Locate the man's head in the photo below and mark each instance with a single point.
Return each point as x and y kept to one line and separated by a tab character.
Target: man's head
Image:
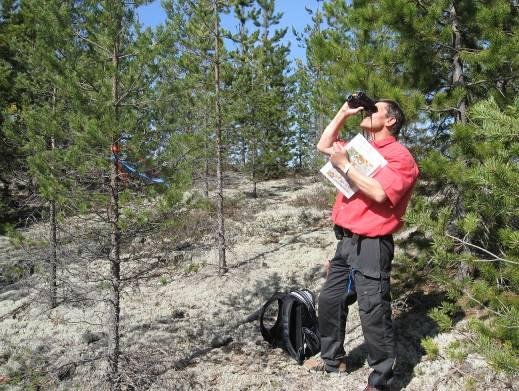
389	117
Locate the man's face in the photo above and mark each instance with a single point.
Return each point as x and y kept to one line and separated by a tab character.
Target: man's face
376	122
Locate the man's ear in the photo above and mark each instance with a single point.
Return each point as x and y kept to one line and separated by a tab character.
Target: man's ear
390	121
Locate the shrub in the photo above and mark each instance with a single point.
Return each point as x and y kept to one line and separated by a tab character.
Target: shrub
320	197
431	348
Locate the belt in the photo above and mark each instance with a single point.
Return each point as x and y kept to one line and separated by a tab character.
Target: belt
341	232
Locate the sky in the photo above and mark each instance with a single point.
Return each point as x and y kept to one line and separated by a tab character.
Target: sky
294	15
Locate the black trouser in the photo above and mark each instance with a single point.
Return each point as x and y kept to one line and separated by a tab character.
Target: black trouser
355	274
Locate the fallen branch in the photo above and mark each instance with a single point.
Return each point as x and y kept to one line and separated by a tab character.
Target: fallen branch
15	311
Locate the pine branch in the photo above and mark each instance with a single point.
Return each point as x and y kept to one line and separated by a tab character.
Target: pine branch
499	79
209	28
496	258
78	34
483	305
445	110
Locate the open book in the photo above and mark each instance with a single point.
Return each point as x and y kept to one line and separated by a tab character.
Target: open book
363	156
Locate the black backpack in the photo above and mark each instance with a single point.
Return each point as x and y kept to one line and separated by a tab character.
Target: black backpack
296	329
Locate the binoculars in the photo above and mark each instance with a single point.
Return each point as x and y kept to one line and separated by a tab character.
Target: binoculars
360	99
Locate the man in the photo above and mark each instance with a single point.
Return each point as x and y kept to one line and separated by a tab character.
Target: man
364	225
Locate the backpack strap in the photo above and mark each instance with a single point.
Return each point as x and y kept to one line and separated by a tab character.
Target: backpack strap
285	326
264	331
307	297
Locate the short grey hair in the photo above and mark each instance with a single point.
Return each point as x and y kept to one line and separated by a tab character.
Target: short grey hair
394	110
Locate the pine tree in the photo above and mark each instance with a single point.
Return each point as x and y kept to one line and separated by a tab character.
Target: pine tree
37	123
455	53
244	90
355	51
481	172
11	161
273	150
105	84
117	72
310	108
241	88
222	262
305	121
183	88
202	58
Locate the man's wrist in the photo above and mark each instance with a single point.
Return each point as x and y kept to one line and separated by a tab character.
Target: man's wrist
344	113
346	168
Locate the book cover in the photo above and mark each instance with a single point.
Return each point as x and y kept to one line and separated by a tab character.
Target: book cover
363	156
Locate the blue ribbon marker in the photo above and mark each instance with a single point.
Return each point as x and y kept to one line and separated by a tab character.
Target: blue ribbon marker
132	170
350	279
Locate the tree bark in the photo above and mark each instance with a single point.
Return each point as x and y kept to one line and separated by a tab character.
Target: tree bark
222	263
115	265
458	80
206	157
254	179
53	261
320	117
244	56
254	137
206	168
53	258
243	153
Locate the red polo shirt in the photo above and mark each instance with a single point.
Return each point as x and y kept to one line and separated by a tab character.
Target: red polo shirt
364	216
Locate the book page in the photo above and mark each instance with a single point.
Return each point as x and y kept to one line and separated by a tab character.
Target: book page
345	186
363	156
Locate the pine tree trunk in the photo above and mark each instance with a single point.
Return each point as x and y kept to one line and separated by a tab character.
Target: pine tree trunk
53	259
458	80
206	168
242	142
255	135
243	152
253	163
320	118
115	265
222	263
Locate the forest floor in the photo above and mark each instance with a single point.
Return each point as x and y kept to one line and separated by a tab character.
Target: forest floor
190	329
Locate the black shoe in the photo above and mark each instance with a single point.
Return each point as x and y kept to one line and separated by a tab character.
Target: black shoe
318	365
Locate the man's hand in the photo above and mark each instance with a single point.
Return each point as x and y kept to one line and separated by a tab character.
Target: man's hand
347	111
339	157
327	266
332	130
